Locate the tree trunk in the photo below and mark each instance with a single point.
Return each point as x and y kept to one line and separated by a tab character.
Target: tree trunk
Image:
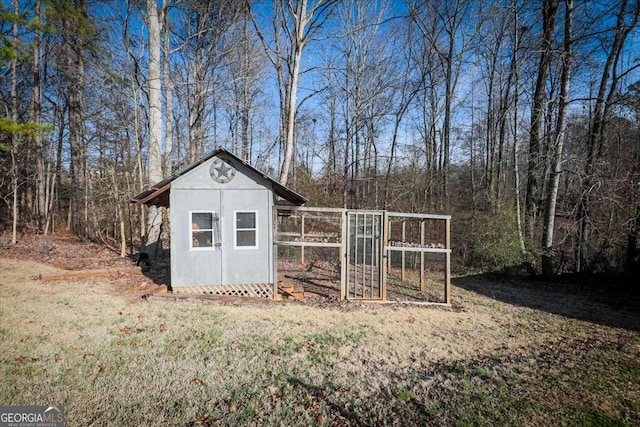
15	139
549	10
246	99
36	117
291	107
75	87
168	87
446	126
299	23
154	219
557	149
516	94
631	263
596	134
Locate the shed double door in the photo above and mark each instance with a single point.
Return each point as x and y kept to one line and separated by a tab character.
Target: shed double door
241	249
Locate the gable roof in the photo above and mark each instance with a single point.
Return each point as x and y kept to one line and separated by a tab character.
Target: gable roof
158	194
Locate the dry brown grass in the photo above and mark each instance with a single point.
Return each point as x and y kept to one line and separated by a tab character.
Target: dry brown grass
508	354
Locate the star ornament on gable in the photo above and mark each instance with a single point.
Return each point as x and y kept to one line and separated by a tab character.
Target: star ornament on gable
222	171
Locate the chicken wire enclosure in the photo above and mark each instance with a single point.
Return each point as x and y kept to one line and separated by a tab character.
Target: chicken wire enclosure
422	279
310	249
367	248
365	254
419	245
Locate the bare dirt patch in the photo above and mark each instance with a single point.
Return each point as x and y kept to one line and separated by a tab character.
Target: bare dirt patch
63	250
48	254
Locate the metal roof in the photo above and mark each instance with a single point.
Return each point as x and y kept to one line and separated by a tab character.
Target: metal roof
158	194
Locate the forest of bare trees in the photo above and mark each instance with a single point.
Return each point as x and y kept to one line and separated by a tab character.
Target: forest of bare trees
521	118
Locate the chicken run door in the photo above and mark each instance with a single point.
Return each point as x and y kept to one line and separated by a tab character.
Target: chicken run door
365	256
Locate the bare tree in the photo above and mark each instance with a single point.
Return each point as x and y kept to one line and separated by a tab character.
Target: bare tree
168	89
204	39
244	65
75	26
36	117
549	9
558	145
449	36
406	88
428	112
627	17
516	97
153	244
296	24
363	74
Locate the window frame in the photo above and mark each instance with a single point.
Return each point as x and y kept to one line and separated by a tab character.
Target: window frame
236	229
212	230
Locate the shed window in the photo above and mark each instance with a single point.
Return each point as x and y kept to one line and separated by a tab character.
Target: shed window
246	230
205	230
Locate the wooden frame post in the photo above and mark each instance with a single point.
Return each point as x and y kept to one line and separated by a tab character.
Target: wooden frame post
385	254
403	273
343	256
302	239
387	228
422	243
274	249
447	271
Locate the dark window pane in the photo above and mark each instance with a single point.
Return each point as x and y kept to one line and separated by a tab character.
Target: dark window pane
201	221
202	239
246	238
216	231
245	220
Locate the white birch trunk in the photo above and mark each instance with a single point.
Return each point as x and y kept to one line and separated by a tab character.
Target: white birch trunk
554	179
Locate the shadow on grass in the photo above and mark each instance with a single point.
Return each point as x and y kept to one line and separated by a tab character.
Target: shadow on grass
501	389
354	413
605	303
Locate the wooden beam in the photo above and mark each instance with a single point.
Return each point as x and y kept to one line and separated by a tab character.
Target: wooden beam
422	242
274	250
83	274
403	273
386	260
309	244
386	242
401	215
343	256
155	194
417	303
302	237
425	250
308	209
447	268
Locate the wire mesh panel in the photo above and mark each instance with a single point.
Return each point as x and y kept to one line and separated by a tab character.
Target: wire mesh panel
418	258
364	253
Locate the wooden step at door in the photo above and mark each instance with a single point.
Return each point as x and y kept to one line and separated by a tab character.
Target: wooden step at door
290	291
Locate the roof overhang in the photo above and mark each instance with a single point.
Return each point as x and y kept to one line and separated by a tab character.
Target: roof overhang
158	194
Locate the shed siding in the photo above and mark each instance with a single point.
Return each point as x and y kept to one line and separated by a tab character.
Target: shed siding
196	191
199	178
189	267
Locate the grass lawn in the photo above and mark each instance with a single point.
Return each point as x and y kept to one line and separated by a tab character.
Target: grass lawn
507	354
